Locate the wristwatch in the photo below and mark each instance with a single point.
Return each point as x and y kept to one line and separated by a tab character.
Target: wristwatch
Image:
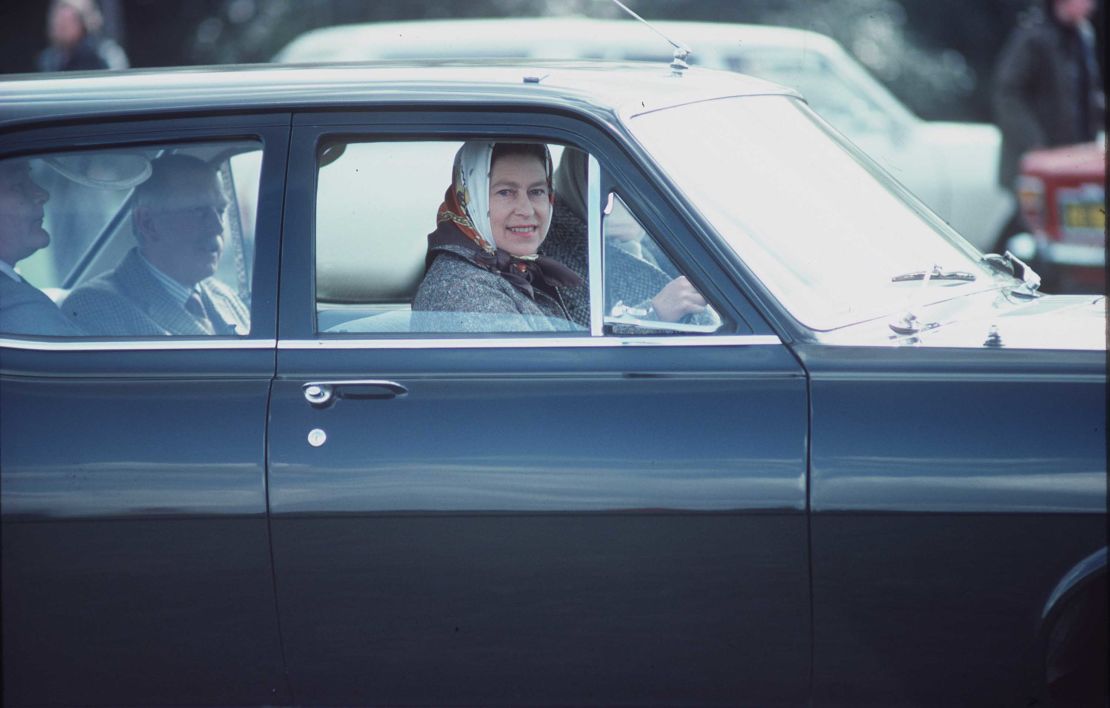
640	313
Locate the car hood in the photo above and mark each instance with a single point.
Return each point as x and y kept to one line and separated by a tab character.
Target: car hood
1049	322
994	320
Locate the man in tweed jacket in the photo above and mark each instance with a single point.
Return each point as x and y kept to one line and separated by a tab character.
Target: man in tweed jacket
164	286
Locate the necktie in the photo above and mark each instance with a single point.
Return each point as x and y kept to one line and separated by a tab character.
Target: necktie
195	306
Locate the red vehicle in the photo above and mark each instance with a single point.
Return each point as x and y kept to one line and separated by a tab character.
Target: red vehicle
1063	201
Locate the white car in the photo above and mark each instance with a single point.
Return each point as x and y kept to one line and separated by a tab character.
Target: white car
952	167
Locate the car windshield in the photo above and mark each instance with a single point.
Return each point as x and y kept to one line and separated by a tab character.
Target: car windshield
833	237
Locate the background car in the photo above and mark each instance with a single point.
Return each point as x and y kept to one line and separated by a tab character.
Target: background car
877	477
1062	192
952	167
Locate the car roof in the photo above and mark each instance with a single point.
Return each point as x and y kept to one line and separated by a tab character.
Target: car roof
540	37
591	87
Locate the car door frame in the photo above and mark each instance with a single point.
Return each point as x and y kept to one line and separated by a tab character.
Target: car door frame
166	541
303	499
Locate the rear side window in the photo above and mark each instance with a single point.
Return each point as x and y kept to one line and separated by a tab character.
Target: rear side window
129	242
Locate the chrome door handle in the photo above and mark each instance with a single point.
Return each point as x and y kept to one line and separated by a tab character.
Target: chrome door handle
322	393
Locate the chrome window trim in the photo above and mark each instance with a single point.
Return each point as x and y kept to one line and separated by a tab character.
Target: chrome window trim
740	340
165	344
594	250
586	342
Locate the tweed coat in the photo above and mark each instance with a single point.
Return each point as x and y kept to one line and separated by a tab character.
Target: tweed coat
24	309
129	301
1036	100
457	295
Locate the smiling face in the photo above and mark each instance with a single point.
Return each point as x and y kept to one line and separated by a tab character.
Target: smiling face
181	227
519	204
21	212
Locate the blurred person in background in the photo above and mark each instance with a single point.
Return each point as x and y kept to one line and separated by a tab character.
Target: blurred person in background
73	27
1047	90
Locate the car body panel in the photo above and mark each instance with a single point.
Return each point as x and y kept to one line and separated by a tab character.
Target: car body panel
968	458
1003	318
774	515
881	578
136	560
130	536
961	490
590	547
396	532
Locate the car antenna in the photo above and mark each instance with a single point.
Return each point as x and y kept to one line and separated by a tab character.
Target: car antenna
681	51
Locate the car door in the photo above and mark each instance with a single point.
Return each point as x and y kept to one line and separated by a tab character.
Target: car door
492	518
136	559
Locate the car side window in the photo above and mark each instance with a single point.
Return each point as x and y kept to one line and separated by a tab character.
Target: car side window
398	252
375	204
644	290
403	247
129	241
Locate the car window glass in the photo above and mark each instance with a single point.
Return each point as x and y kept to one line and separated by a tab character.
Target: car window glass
837	100
241	174
645	292
838	260
135	241
377	203
394	258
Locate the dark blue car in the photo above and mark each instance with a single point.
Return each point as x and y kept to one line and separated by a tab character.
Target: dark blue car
870	470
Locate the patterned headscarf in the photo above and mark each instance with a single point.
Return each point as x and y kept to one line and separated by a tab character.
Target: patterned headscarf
466	208
466	203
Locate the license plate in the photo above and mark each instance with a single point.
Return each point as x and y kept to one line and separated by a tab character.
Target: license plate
1083	214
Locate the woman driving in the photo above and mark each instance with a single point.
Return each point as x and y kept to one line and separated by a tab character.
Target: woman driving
482	270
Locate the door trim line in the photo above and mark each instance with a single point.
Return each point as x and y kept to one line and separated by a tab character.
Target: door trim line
533	342
137	345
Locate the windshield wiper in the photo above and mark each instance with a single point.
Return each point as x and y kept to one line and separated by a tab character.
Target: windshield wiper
908	322
935	274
